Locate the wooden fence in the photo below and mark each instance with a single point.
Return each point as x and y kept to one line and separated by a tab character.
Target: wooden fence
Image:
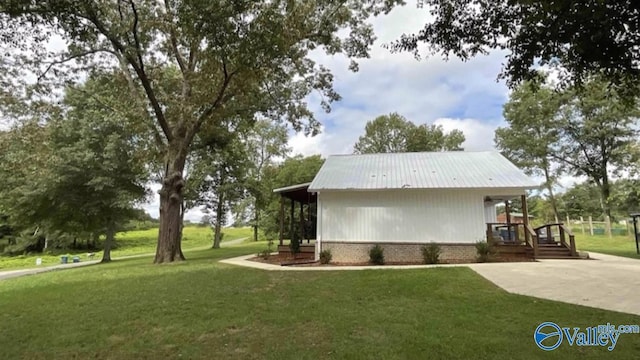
589	226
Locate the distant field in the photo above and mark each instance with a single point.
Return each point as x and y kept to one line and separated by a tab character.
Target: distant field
133	243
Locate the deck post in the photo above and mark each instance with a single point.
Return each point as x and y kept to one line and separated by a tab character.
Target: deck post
301	222
507	212
292	219
525	217
281	219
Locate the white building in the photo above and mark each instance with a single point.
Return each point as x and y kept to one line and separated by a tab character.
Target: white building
402	201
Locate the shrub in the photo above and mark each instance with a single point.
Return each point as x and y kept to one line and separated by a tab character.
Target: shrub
264	254
325	256
376	255
294	245
431	253
484	250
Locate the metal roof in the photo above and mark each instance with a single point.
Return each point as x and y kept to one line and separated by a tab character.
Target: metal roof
420	170
292	187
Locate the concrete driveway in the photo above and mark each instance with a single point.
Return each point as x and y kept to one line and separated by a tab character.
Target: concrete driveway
608	282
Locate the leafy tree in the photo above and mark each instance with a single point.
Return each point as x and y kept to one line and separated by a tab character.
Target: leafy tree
294	170
85	175
225	171
394	133
384	134
433	138
532	133
265	142
597	136
192	63
580	37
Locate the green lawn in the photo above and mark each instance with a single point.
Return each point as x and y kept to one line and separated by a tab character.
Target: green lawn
617	245
202	309
132	243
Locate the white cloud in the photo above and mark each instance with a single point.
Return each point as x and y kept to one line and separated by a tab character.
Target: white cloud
456	94
478	134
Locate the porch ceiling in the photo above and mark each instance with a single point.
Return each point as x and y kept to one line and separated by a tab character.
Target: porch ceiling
298	193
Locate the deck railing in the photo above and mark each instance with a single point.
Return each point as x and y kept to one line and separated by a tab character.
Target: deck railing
514	234
562	233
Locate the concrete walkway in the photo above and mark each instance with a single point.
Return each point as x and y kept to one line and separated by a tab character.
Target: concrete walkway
606	282
4	275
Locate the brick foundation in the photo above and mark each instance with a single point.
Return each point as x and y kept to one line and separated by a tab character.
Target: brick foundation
349	252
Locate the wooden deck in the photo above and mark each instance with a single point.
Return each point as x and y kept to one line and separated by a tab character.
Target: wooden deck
549	241
307	249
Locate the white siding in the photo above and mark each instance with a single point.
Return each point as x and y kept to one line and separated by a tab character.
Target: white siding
490	213
445	216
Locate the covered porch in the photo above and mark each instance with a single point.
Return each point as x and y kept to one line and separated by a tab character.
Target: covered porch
516	237
298	220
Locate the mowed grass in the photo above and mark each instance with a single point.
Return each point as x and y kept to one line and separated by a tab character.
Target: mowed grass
203	309
617	245
131	243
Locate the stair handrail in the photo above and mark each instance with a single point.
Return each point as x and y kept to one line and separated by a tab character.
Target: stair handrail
533	236
572	239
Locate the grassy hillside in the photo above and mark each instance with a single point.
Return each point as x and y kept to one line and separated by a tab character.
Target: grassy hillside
134	243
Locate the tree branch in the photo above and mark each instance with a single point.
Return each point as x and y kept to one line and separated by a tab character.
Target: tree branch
139	69
71	57
220	96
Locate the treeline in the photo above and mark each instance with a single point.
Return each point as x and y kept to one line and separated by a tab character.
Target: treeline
589	131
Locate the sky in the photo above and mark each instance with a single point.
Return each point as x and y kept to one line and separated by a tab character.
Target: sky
455	94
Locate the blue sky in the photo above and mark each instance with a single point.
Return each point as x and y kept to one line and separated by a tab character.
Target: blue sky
454	94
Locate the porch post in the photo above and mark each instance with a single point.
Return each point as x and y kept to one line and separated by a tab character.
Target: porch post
525	217
507	213
281	219
301	222
292	219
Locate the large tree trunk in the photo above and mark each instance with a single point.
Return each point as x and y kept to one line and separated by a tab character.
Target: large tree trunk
108	242
605	193
552	197
217	238
171	197
256	218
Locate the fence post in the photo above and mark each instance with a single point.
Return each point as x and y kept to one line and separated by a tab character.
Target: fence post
582	224
590	225
607	225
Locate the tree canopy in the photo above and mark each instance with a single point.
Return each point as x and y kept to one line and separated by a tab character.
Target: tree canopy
84	172
394	133
579	37
590	132
190	63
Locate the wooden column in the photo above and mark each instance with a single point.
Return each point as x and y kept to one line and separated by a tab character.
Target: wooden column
525	217
292	217
281	219
507	213
301	222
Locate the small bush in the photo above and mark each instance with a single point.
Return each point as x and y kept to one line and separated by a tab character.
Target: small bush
484	250
376	255
431	253
325	256
264	254
294	245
